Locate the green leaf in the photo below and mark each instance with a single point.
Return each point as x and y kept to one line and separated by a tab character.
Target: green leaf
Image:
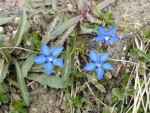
3	69
24	55
26	66
100	87
5	20
106	110
13	82
35	4
96	11
141	53
5	53
23	26
51	81
3	87
4	98
67	68
22	84
60	29
94	81
88	29
116	92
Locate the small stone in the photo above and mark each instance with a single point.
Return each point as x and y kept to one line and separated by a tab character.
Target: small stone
28	43
124	48
14	33
1	30
5	14
10	28
17	19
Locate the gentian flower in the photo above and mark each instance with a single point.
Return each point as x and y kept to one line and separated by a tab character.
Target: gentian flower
49	59
98	63
106	36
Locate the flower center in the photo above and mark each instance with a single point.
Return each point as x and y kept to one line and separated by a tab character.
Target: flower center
49	58
106	37
98	63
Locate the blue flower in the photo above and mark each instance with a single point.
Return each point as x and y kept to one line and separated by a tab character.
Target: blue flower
98	63
49	59
106	37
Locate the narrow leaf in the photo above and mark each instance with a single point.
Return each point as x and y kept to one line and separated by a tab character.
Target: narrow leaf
3	70
141	53
94	81
5	20
51	81
21	30
3	87
106	110
13	82
100	87
26	66
5	53
60	29
35	4
22	84
67	69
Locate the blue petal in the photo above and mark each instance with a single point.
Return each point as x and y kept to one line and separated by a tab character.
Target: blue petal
45	50
101	30
57	51
40	59
103	57
99	38
111	31
100	73
49	68
90	67
93	56
107	66
58	62
115	38
107	42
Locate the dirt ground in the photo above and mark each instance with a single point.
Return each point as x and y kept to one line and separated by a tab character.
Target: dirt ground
128	14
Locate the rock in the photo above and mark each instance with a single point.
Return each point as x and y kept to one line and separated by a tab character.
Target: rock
17	19
14	32
16	11
4	14
10	28
1	30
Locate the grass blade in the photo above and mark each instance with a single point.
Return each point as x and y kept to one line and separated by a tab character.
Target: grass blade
22	84
21	30
5	53
60	29
3	69
141	53
26	66
5	20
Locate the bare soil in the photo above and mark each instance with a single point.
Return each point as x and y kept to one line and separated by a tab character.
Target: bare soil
129	15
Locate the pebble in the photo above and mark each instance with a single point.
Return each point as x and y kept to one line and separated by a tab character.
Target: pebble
10	28
14	32
17	19
124	48
1	30
4	14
